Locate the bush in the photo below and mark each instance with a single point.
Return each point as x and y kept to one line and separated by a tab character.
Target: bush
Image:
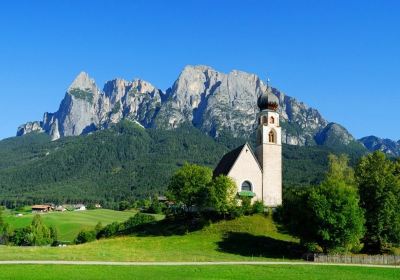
246	205
155	207
124	205
258	207
109	230
85	236
125	227
137	220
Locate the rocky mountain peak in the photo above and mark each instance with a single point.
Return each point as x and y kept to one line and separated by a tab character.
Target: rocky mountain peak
213	101
82	81
333	135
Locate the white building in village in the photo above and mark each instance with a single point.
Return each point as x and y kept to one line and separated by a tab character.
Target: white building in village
259	174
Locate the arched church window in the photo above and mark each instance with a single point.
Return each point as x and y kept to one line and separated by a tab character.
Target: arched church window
246	186
271	137
272	120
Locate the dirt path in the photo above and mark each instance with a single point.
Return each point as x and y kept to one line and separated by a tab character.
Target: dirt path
185	263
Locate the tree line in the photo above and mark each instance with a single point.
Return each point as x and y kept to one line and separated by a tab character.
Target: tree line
351	210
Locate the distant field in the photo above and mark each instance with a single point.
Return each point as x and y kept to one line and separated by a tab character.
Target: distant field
245	238
287	272
70	223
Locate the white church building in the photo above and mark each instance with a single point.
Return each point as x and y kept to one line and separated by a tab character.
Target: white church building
259	174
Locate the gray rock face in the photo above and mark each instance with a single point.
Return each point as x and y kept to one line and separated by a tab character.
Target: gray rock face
217	102
29	127
85	108
137	101
210	100
333	135
373	143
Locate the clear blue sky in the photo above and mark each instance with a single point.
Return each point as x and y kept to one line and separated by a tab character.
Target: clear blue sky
341	57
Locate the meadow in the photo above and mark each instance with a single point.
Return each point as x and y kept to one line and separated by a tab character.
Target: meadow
69	223
287	272
246	238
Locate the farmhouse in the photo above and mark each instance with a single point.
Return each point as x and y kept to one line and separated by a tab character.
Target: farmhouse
79	207
41	208
258	174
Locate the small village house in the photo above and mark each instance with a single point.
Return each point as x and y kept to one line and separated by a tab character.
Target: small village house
41	208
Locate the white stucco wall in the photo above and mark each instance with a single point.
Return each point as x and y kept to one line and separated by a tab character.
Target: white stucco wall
270	157
272	173
246	168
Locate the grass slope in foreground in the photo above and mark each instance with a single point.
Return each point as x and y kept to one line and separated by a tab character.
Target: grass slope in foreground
246	238
70	223
287	272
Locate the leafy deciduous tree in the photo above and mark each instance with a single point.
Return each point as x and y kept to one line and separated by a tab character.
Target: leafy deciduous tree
222	194
189	185
328	214
379	188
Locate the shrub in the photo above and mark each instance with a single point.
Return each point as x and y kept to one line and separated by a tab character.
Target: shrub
137	220
258	207
246	205
85	236
109	230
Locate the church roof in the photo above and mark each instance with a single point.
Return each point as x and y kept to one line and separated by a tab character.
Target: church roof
227	161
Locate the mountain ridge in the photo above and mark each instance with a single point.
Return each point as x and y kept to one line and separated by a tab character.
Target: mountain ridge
215	102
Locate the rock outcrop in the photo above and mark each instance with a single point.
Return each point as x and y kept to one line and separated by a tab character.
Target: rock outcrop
29	127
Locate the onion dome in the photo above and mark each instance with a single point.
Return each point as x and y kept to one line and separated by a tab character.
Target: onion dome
268	101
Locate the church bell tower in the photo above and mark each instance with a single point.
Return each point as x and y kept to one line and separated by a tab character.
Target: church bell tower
269	148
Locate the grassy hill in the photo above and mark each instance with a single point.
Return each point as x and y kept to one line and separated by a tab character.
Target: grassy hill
70	223
127	162
246	238
249	238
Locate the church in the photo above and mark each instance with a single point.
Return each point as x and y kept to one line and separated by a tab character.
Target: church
258	174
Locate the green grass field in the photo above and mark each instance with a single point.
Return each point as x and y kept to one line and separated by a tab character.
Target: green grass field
70	223
287	272
245	238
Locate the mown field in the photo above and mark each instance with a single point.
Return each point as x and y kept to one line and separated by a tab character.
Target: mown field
246	238
287	272
70	223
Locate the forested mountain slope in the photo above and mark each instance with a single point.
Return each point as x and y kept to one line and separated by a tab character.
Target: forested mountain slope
127	162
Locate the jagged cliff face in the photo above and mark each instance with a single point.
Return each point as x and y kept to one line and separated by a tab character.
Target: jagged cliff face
373	143
217	102
85	108
210	100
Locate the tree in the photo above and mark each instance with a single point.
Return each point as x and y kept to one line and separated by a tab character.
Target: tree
155	207
189	185
36	234
339	170
53	235
85	236
328	214
222	194
123	205
336	220
41	233
379	187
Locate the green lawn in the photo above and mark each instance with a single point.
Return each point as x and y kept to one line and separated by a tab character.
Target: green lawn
245	238
70	223
60	272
